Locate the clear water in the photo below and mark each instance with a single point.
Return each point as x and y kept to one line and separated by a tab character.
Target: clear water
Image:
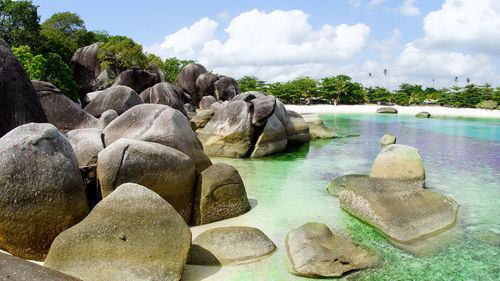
462	160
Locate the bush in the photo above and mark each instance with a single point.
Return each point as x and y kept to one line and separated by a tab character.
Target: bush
488	104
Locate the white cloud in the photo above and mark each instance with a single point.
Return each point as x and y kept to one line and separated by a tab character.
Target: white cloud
355	3
377	2
224	15
408	9
257	38
470	23
187	42
388	47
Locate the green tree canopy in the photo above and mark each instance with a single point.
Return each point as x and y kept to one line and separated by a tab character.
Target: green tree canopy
172	66
251	83
19	23
67	23
121	53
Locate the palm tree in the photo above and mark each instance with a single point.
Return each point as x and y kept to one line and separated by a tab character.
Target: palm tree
468	80
456	80
370	75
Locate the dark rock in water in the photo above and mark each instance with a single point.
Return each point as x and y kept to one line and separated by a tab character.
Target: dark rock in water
167	94
226	88
387	109
206	102
314	251
272	139
18	100
229	132
423	114
118	98
167	171
399	162
132	234
161	124
263	108
220	194
41	189
205	84
86	67
230	245
301	127
404	212
340	183
60	110
138	79
186	79
16	269
106	118
387	139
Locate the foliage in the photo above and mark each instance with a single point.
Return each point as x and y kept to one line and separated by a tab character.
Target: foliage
340	89
172	66
48	67
488	104
67	23
379	95
251	83
19	23
121	53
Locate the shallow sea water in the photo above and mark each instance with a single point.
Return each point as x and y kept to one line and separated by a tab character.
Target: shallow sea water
461	157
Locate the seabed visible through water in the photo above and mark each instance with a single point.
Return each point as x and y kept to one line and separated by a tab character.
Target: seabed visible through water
461	157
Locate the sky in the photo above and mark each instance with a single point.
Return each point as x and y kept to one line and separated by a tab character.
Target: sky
426	42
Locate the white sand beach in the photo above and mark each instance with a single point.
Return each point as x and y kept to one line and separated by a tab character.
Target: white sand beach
436	111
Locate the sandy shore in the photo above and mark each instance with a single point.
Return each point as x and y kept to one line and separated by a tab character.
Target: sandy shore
409	110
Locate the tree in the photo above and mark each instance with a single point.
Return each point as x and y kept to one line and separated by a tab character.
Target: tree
251	83
19	23
341	89
121	53
67	23
35	66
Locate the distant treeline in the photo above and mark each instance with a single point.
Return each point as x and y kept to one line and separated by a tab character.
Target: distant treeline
45	50
341	89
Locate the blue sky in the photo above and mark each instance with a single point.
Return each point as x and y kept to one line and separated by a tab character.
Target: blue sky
426	42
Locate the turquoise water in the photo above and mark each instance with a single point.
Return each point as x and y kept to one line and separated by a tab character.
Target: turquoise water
461	157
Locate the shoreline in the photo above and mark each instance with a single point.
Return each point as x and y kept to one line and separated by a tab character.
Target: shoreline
435	111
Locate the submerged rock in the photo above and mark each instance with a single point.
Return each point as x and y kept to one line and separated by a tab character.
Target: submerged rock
387	110
338	184
133	234
16	269
399	162
167	171
387	139
423	114
489	237
317	129
314	251
230	245
404	212
220	194
41	189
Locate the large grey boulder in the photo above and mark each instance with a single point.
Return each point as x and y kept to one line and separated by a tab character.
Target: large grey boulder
220	194
399	162
41	189
138	79
132	234
167	171
118	98
206	102
387	139
106	118
301	128
218	106
205	84
186	79
62	112
16	269
405	213
272	140
86	68
161	124
317	129
226	88
230	245
201	118
229	132
338	184
314	251
387	110
167	94
263	109
18	99
87	143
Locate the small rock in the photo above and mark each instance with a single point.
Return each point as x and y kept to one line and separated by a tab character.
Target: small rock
423	114
314	251
387	110
317	129
387	139
230	245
